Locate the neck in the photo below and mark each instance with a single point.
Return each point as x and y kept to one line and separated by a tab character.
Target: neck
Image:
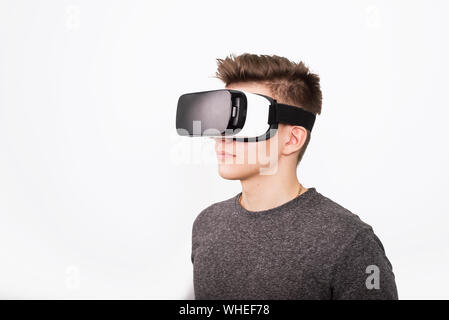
263	192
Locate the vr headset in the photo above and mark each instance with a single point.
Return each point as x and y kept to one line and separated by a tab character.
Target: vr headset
234	114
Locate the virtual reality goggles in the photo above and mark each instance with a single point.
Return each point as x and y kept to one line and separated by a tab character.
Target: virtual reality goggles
237	115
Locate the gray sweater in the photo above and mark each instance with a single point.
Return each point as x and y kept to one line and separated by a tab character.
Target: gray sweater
307	248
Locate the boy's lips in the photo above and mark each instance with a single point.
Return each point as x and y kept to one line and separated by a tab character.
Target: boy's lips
224	154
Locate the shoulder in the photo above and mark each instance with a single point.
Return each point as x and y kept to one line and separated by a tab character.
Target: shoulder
353	252
336	226
337	219
342	237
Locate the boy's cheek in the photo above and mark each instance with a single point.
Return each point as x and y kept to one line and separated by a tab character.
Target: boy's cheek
252	154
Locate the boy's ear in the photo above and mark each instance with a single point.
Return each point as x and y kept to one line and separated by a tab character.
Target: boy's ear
295	137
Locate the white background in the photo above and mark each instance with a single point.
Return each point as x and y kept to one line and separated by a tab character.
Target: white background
96	199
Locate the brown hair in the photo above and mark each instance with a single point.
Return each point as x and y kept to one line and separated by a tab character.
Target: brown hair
288	81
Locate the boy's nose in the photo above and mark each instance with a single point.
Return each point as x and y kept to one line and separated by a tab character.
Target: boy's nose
221	139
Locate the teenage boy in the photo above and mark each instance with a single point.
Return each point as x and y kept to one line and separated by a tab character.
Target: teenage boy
277	239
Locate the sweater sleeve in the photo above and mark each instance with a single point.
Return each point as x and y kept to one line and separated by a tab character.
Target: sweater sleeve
362	271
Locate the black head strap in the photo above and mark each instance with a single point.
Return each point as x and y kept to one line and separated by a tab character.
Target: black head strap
284	113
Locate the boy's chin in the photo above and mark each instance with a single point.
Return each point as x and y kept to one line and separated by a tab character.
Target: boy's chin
237	172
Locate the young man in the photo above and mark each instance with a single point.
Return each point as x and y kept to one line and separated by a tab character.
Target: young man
278	239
